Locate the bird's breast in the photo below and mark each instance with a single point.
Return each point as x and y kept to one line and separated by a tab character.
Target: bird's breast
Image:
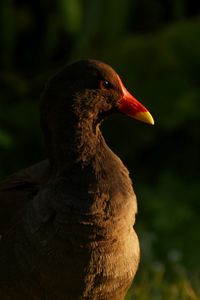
94	251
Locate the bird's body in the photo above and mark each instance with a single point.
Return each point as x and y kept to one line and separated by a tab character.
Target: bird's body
66	224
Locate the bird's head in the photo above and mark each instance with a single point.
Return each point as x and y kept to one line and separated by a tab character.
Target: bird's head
75	101
90	89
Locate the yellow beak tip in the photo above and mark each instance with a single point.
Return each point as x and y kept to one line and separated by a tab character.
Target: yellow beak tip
145	117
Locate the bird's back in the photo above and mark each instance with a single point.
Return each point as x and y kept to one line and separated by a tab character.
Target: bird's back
15	193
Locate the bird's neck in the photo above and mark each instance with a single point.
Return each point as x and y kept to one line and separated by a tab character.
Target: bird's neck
76	146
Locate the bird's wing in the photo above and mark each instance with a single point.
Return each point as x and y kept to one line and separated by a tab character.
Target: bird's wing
17	190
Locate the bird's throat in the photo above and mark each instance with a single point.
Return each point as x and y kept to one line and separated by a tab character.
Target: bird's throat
77	145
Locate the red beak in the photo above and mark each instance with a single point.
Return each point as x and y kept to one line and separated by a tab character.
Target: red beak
128	105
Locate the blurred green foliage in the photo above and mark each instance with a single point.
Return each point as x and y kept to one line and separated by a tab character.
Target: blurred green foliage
155	47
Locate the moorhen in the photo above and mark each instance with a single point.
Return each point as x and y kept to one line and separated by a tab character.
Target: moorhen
66	223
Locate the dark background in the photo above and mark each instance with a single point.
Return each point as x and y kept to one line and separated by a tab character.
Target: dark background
155	47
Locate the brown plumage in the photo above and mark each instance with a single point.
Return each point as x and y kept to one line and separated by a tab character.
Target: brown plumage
66	224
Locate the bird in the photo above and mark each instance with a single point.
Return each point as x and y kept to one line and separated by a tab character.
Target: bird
67	222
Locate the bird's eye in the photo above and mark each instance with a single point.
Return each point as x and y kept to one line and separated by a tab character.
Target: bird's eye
104	84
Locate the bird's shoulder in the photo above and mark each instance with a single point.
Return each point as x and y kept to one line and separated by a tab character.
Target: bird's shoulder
17	190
